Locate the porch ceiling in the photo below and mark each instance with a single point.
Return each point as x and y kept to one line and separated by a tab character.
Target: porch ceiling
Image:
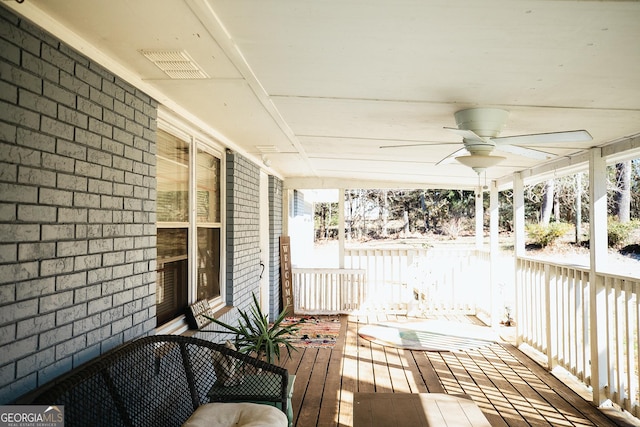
319	86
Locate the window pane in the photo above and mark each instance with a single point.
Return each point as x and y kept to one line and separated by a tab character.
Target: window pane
208	263
173	178
208	187
171	291
177	196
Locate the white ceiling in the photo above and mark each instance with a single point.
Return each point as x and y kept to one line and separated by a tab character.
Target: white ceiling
319	86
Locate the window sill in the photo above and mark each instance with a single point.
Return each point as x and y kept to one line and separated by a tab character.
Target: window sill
218	311
175	326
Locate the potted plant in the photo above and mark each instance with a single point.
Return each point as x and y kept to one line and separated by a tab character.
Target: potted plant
256	335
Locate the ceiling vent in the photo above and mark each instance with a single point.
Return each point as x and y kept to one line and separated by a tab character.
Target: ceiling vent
177	64
267	148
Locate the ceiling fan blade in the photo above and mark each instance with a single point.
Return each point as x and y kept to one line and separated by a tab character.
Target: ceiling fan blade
451	157
469	135
425	144
525	152
551	137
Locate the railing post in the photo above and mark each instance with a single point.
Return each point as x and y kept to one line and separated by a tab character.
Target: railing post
551	315
494	253
341	228
519	248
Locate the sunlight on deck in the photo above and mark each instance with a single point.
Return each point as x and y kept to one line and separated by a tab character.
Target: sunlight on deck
507	386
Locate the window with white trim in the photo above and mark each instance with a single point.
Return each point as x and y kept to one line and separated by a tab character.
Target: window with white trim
189	224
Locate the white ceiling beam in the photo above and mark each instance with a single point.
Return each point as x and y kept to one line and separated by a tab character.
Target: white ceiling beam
623	149
627	148
300	183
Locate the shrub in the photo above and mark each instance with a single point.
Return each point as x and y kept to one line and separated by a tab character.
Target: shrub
545	235
619	232
452	228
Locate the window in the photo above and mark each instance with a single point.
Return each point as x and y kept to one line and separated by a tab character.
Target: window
189	250
208	222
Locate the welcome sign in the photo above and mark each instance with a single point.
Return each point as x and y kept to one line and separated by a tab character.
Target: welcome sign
286	278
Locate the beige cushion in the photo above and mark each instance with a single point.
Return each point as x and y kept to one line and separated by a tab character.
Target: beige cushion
237	415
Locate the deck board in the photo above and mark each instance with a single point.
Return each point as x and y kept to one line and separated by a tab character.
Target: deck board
412	372
308	413
510	388
381	374
303	374
330	405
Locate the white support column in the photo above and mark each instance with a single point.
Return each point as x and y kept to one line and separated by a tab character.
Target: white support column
479	218
286	194
341	230
598	252
597	209
494	251
518	245
518	214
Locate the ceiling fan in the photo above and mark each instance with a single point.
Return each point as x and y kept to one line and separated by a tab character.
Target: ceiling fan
480	127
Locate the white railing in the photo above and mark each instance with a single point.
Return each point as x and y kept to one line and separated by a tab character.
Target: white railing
388	275
424	281
328	290
553	315
623	324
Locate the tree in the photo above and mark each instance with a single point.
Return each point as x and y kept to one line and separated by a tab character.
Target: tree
437	210
326	220
623	191
578	206
349	215
547	202
383	205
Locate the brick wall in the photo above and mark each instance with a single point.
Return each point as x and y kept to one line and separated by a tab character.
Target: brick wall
243	230
77	208
243	241
300	206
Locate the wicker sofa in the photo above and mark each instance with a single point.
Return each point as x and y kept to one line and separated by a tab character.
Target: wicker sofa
163	380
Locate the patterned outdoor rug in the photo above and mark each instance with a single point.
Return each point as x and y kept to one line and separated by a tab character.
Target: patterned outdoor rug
315	331
428	335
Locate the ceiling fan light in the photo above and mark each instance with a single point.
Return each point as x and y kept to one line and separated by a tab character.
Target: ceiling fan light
479	162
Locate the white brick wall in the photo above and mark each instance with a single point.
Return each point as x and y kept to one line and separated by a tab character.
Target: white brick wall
77	208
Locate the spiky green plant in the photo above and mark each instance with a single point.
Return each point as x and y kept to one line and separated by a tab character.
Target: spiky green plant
256	335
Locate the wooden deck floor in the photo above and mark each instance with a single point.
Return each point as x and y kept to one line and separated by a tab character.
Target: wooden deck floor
509	388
